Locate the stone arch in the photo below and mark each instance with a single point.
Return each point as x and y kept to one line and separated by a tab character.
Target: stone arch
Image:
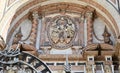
110	22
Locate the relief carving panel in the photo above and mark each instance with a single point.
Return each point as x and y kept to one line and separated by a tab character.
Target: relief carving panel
61	32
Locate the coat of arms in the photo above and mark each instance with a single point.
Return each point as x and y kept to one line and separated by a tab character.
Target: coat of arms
61	32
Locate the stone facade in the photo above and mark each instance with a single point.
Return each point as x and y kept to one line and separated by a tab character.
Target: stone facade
67	36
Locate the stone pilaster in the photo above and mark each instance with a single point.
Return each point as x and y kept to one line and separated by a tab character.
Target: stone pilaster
39	26
81	33
89	21
33	34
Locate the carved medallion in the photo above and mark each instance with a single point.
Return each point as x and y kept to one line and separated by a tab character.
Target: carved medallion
61	32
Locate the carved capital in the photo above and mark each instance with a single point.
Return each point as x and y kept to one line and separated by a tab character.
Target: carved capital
82	17
89	15
89	12
33	15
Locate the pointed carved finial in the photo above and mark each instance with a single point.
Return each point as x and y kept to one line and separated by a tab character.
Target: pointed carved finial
17	36
106	36
106	33
19	33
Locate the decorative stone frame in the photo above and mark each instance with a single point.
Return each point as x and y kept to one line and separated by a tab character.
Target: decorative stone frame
72	39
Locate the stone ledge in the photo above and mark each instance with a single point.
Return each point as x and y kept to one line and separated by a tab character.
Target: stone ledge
61	57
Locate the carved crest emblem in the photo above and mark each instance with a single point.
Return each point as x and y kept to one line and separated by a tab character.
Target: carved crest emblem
61	32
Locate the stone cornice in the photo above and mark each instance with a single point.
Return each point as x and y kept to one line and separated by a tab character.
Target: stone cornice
60	57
